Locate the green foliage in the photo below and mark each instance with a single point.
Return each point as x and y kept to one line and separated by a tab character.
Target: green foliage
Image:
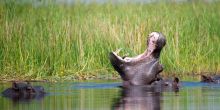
49	41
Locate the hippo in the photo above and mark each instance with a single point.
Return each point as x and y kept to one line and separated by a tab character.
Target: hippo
168	84
144	68
24	91
210	79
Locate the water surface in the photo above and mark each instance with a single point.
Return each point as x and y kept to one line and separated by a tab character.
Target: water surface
106	95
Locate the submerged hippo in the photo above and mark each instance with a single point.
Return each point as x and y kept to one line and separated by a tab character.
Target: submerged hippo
168	84
144	68
24	91
210	79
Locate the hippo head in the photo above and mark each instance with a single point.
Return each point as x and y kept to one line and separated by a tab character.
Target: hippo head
23	88
206	79
144	68
24	91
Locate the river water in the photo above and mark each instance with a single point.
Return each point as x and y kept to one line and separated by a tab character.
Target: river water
107	95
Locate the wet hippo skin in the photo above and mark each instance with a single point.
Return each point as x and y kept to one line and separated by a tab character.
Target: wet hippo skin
24	91
144	68
167	84
210	79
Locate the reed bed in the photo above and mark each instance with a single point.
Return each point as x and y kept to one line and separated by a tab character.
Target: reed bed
58	41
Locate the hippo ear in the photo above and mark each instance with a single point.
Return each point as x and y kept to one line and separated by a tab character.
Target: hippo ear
14	86
176	79
203	78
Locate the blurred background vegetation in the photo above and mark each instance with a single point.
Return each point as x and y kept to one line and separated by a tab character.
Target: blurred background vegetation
65	41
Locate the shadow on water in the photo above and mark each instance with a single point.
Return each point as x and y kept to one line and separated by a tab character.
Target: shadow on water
109	95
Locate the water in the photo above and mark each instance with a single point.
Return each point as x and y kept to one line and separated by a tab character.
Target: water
106	95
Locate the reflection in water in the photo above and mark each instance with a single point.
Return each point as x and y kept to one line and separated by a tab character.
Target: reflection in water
138	98
26	98
107	96
144	97
141	97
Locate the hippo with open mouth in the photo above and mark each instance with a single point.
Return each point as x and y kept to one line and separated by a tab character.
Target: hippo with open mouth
144	68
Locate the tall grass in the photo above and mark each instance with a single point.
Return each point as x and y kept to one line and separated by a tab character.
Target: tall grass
73	42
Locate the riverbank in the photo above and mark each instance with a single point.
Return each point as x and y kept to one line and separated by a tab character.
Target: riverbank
73	42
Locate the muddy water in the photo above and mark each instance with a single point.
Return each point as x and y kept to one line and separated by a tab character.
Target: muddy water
106	95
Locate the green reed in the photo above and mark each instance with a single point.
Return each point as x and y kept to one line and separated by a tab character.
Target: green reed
73	41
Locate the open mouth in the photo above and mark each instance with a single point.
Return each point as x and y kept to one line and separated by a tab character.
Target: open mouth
152	42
